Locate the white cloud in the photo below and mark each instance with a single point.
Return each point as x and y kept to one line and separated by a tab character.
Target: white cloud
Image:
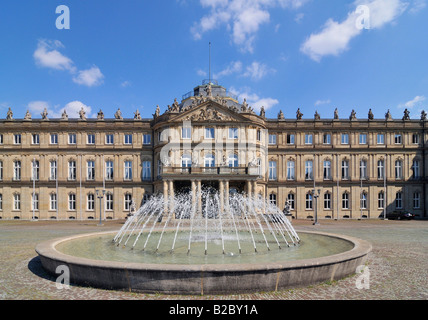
321	102
47	55
72	108
242	17
417	5
253	99
412	103
126	84
257	71
335	37
90	78
233	67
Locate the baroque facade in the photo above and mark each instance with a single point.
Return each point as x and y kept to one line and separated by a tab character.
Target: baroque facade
337	168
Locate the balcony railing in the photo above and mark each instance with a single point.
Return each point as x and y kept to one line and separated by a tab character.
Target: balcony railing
210	170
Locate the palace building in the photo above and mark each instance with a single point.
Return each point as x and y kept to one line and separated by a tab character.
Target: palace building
340	168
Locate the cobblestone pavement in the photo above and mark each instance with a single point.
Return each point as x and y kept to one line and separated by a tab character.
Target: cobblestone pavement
397	264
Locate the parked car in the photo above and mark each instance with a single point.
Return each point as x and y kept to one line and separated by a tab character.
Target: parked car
399	215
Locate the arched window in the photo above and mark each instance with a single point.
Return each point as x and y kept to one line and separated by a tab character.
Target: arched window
128	201
327	201
209	161
272	198
345	201
186	161
309	201
233	161
364	200
292	201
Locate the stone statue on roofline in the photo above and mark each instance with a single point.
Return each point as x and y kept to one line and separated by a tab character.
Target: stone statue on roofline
82	114
44	114
100	115
371	115
118	115
353	115
157	112
406	115
64	115
299	115
423	115
262	112
336	114
137	115
388	116
317	116
9	115
27	116
281	115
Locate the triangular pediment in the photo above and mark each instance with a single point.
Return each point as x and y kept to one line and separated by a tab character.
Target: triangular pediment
209	111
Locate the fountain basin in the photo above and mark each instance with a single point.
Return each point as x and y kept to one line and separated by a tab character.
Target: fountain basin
196	279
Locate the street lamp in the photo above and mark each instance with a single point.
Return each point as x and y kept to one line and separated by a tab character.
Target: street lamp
100	195
316	195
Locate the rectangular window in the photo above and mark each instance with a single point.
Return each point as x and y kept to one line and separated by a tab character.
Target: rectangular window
110	139
109	170
17	139
54	138
209	133
415	139
259	135
291	201
381	200
35	139
1	139
380	169
186	133
291	138
363	138
327	139
309	201
345	201
345	138
35	202
398	169
91	202
327	170
398	138
53	167
72	171
91	139
128	170
233	133
309	172
72	202
109	202
17	171
308	139
1	170
380	138
147	139
128	201
291	172
16	201
345	170
364	200
272	170
1	202
327	201
416	200
72	138
272	139
363	169
53	204
147	171
91	170
399	200
35	171
128	139
416	169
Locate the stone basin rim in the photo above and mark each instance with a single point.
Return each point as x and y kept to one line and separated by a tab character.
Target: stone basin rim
48	250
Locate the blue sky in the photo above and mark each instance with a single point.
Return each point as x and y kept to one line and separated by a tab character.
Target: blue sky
282	54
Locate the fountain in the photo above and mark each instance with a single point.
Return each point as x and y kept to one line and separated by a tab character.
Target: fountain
205	245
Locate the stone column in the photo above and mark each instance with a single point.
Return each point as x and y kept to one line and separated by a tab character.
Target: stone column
249	189
221	187
165	196
171	196
226	194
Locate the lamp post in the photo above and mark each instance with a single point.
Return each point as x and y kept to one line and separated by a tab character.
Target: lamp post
100	195
316	194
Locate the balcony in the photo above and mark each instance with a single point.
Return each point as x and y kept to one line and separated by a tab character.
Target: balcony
223	172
